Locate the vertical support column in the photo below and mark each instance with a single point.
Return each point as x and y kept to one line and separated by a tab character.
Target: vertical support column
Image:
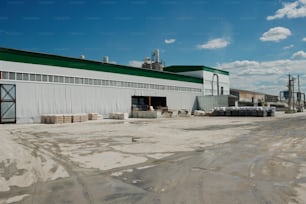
150	104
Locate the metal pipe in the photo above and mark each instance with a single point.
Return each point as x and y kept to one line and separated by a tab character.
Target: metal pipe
212	84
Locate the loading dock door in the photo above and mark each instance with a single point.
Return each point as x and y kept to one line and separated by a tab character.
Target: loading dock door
143	103
7	103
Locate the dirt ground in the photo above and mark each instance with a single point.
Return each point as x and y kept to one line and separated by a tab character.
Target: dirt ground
179	160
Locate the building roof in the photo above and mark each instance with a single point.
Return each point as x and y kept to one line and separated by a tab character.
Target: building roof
14	55
251	92
187	68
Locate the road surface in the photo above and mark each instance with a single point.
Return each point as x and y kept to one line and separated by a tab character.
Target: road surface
264	162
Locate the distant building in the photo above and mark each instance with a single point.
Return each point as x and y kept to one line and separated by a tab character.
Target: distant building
251	98
271	98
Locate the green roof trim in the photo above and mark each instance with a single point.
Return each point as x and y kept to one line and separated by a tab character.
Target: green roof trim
187	68
56	60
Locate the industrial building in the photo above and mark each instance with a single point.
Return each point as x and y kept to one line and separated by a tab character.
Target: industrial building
251	98
33	84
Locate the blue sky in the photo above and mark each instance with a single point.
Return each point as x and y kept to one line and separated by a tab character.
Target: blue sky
259	42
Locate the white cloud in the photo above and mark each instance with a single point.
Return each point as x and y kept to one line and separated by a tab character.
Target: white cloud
170	41
296	9
288	47
135	63
276	34
214	44
304	39
299	55
267	76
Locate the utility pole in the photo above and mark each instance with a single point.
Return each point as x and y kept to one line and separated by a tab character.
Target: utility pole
291	106
293	98
300	107
289	95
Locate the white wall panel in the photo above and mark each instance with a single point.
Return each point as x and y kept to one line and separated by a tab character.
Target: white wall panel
37	98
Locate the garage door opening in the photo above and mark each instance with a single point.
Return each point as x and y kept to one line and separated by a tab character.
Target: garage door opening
143	103
7	103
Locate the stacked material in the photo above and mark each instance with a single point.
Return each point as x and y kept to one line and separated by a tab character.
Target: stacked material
92	116
52	119
244	111
146	114
183	113
199	113
67	118
76	118
43	119
118	116
84	117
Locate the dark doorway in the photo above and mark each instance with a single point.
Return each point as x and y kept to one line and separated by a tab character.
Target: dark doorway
7	103
143	103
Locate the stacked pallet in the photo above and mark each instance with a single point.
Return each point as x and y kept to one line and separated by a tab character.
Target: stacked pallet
92	116
118	116
52	119
67	118
57	119
76	118
84	117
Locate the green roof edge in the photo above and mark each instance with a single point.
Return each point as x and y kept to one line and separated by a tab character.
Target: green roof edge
187	68
14	55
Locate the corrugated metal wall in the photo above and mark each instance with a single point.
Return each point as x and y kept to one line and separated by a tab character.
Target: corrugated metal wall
35	98
207	103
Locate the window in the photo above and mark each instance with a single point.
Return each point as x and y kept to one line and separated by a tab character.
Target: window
50	78
118	83
38	77
19	76
25	76
61	79
5	75
95	81
66	79
32	77
86	81
71	80
78	80
44	77
56	78
12	76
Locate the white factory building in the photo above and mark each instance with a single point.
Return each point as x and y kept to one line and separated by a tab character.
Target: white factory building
34	84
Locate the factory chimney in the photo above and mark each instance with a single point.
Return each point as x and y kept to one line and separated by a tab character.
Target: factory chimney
155	62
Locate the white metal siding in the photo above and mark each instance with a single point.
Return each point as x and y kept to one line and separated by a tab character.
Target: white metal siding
37	98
